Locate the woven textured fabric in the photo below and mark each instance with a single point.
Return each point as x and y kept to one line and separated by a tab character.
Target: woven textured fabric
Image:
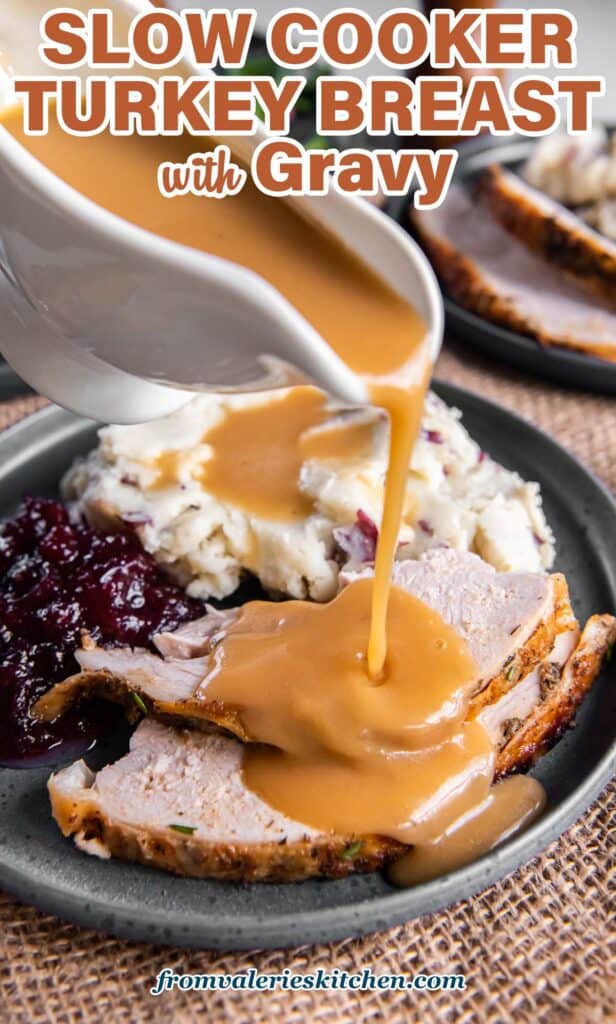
538	947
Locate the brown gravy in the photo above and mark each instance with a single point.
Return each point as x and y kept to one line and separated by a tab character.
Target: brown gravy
511	806
332	748
255	454
342	754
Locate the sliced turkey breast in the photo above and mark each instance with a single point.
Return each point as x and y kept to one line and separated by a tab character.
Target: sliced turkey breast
520	628
552	643
504	707
195	638
177	801
561	694
490	272
551	230
498	614
532	698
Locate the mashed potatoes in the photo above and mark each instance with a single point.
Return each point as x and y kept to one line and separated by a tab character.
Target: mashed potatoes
456	496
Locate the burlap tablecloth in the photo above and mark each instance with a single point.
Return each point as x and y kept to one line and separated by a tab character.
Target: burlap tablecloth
537	947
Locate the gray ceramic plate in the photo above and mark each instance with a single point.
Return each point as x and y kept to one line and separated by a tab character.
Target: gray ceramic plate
564	366
40	867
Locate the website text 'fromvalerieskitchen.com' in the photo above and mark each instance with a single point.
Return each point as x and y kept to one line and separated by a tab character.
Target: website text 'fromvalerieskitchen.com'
286	980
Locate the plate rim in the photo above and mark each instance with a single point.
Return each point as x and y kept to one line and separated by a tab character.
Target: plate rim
131	920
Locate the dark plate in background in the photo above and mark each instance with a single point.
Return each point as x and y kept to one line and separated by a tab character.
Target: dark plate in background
10	384
40	867
561	365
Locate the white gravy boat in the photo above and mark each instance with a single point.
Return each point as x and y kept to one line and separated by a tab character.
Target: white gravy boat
118	324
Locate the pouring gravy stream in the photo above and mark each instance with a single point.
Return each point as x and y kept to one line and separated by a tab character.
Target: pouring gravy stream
356	707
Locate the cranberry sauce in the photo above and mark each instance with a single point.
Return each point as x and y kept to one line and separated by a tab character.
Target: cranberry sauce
57	578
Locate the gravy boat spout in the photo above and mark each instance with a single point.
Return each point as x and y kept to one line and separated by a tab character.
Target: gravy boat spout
117	323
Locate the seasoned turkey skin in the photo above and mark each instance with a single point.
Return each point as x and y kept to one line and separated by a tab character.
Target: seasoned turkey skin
520	629
551	230
491	273
562	695
534	672
501	616
192	780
